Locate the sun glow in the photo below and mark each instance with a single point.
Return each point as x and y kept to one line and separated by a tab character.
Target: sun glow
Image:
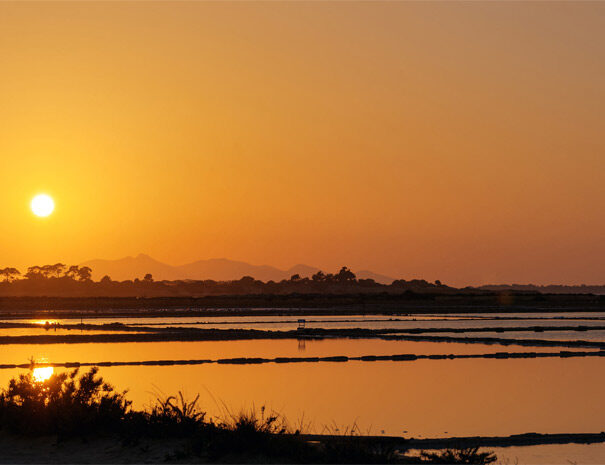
42	373
42	205
44	322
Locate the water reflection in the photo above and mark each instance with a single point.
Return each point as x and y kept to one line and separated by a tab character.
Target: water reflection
47	323
41	374
425	398
187	350
549	454
420	399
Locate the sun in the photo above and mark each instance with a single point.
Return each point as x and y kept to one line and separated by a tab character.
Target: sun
42	205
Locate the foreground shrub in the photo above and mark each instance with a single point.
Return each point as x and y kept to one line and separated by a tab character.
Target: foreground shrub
62	404
69	405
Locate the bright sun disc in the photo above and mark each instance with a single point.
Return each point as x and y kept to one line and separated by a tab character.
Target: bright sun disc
42	205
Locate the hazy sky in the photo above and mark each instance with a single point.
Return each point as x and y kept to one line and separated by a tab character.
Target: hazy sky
453	141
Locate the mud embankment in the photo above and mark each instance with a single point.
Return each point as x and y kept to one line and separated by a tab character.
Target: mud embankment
527	439
336	358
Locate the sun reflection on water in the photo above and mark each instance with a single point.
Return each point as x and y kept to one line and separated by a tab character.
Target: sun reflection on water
41	374
44	322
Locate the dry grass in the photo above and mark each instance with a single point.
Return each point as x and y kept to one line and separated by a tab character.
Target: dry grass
72	405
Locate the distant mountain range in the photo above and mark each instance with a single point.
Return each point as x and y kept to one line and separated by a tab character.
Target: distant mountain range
218	269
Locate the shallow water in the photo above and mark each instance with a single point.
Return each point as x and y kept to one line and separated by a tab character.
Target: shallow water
265	348
54	332
288	322
529	315
423	398
592	335
551	454
416	399
246	322
388	324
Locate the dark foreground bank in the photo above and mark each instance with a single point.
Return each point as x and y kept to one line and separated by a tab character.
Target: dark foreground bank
71	418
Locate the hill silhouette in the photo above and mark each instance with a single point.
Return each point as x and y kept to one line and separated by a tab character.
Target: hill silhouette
218	269
61	280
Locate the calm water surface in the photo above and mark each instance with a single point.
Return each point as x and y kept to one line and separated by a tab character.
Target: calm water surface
593	335
347	321
418	399
557	454
270	348
424	398
53	332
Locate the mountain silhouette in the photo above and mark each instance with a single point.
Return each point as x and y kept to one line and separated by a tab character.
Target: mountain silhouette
218	269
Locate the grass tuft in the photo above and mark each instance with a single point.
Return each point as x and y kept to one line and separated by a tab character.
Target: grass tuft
72	405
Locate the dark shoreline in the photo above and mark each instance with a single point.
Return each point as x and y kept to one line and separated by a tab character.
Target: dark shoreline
300	304
333	358
525	439
143	328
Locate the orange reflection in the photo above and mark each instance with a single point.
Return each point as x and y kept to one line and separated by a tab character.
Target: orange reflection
45	322
41	374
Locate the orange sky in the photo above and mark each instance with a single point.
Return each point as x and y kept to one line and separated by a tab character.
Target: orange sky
459	141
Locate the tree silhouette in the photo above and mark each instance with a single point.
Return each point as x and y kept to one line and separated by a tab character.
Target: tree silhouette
10	274
345	275
55	280
46	271
84	273
73	272
247	280
34	272
58	270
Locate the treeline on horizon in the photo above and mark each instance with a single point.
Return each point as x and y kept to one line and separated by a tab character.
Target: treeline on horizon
62	280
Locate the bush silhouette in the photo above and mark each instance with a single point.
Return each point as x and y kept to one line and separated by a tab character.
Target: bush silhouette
72	405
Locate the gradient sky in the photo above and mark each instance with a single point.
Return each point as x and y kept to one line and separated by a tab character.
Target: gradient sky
453	141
